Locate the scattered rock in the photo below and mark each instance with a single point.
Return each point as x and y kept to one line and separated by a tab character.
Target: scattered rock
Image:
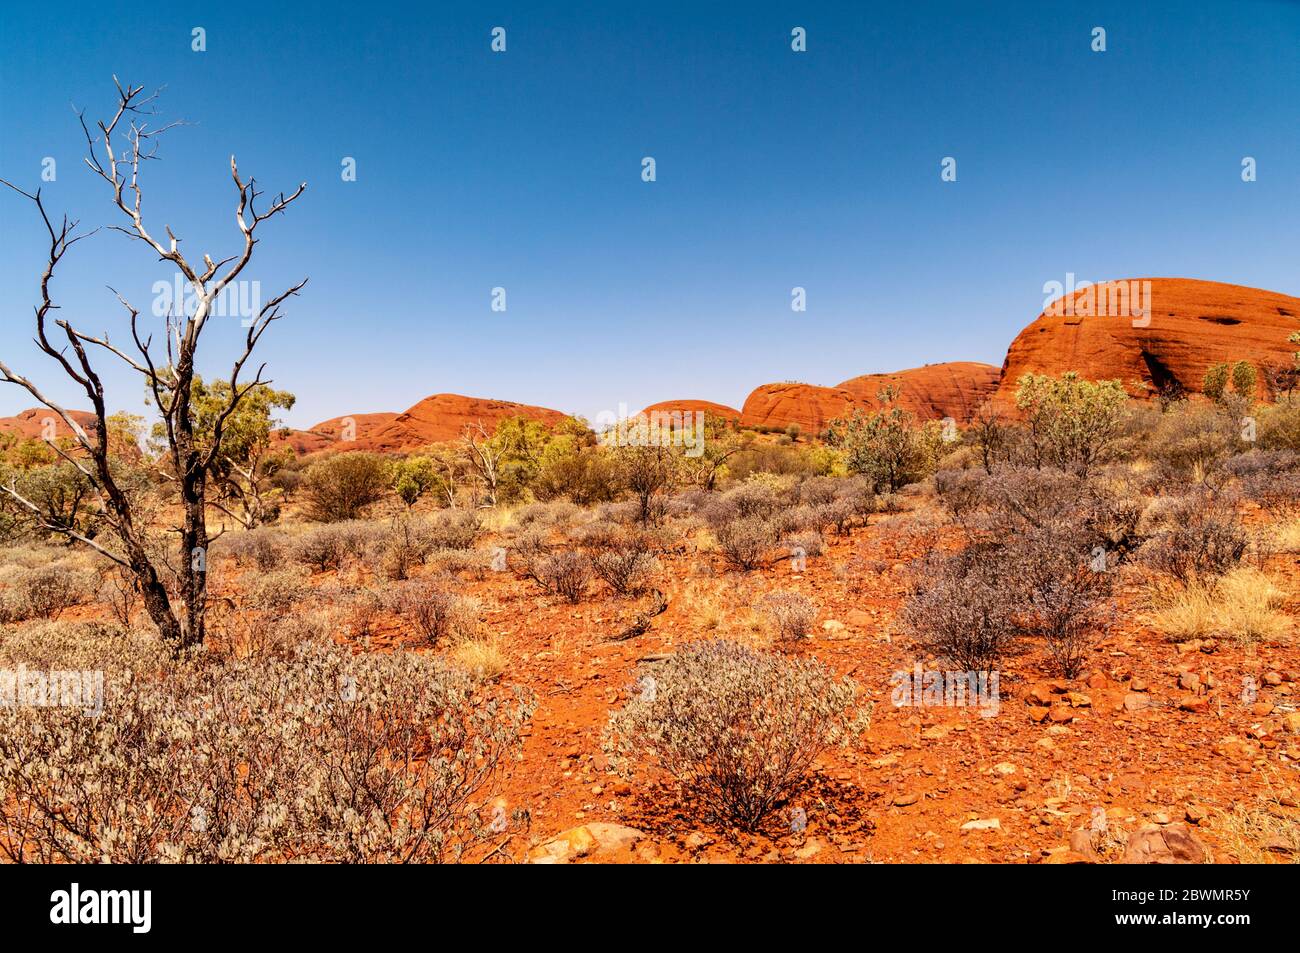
983	824
1279	845
1063	855
696	840
1082	845
1172	844
810	849
594	838
1135	702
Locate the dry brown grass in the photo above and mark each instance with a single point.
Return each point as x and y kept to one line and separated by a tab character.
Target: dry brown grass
1261	833
1243	605
481	657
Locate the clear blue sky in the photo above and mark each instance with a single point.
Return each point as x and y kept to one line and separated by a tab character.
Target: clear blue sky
775	169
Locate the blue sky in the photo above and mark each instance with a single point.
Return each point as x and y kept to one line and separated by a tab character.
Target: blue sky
775	169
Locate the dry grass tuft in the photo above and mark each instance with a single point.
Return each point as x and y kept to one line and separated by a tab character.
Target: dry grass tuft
1242	606
482	658
1262	833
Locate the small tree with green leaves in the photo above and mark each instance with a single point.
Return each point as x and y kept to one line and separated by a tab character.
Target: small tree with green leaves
1072	423
887	446
1215	382
413	478
1244	379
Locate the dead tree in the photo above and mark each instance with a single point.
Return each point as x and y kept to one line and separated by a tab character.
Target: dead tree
484	456
115	155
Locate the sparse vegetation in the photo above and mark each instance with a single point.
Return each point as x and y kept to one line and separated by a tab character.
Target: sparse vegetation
735	728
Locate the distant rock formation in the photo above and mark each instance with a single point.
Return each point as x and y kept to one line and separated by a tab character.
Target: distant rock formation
953	389
1192	324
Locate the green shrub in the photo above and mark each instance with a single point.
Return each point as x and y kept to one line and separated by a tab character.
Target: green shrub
343	486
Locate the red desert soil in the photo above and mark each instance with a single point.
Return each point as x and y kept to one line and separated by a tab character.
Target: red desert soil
1129	737
721	411
1193	324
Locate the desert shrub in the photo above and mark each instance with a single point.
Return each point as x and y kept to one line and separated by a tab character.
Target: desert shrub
320	755
1063	590
1136	426
330	547
454	529
808	542
1242	606
801	518
1102	510
584	476
262	548
400	546
601	534
1241	375
1070	422
277	592
627	570
859	493
556	513
818	490
270	615
960	492
531	548
566	573
61	493
838	513
1270	478
889	446
626	512
1277	426
1017	499
734	727
474	563
791	614
1191	440
43	592
746	543
89	645
687	503
435	611
959	608
785	460
120	591
754	499
343	486
358	610
1197	537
